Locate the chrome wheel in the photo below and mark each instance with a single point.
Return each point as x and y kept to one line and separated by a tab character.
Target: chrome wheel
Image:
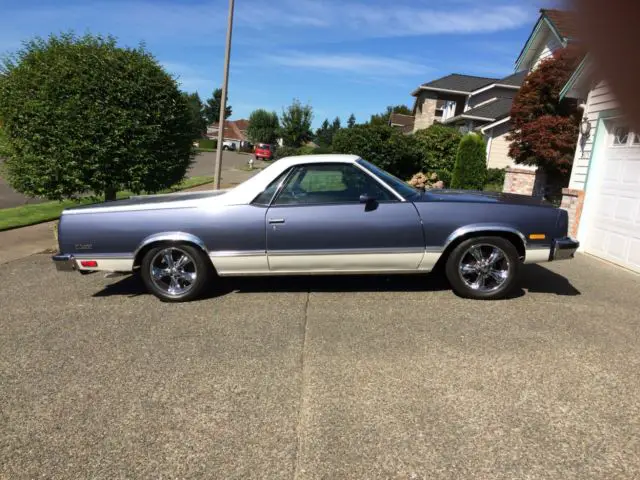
484	267
174	271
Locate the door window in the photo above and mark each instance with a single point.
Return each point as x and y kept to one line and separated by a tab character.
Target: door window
265	197
330	183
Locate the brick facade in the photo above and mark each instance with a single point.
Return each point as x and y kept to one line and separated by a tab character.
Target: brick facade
524	181
572	202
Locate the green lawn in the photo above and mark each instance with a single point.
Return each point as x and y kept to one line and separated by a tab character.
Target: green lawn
44	212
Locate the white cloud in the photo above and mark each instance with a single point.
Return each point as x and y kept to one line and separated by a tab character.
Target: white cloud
370	65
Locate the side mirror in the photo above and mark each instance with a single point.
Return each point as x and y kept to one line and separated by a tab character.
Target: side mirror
370	202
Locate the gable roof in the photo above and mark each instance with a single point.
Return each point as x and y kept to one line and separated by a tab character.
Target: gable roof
491	111
561	23
459	83
405	122
514	80
231	129
242	124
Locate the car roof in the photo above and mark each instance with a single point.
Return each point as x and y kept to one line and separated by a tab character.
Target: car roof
287	162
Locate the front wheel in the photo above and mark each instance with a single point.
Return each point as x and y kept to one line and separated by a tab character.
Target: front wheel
175	272
483	268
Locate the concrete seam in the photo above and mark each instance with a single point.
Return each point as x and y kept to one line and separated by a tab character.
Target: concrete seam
297	459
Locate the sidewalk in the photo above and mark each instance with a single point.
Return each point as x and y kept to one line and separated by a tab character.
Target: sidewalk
22	242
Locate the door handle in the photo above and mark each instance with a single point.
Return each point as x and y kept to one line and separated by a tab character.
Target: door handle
276	220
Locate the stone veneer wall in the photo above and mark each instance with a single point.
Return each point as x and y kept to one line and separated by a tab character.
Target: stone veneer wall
524	181
426	112
572	202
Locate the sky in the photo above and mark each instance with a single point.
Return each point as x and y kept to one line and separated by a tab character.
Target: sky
340	56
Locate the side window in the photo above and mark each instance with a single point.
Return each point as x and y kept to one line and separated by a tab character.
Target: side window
330	183
265	197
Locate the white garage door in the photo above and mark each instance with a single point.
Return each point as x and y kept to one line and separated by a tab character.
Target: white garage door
613	231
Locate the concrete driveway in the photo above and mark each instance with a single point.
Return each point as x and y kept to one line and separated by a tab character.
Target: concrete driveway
310	378
203	165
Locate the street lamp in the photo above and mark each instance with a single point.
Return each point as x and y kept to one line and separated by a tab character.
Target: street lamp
223	102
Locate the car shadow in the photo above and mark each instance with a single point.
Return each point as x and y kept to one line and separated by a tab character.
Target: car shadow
534	278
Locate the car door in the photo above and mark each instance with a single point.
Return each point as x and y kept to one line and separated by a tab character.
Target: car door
334	217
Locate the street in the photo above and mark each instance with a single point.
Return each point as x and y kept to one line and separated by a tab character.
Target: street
203	165
309	378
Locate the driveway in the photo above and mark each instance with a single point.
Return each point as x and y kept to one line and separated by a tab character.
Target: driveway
203	165
310	378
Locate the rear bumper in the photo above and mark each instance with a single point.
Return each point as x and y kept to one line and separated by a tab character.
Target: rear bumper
65	263
563	249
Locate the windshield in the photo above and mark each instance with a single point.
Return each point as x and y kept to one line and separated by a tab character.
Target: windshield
403	188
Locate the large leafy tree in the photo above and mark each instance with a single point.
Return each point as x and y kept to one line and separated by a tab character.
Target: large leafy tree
263	126
437	147
382	145
295	124
197	113
545	128
83	116
212	107
383	118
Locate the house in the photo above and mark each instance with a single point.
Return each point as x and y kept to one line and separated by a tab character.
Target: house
402	122
554	29
471	103
603	196
234	131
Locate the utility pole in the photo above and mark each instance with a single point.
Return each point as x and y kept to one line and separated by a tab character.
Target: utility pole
223	102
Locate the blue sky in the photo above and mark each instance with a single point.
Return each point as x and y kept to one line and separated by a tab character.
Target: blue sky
341	56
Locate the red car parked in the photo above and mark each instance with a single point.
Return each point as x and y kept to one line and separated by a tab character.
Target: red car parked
264	151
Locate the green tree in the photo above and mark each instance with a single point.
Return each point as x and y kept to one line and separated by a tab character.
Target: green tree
382	145
263	126
437	147
197	114
324	134
383	118
336	125
82	115
470	171
352	121
212	107
295	123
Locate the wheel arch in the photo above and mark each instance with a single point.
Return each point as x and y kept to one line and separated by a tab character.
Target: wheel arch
167	237
464	233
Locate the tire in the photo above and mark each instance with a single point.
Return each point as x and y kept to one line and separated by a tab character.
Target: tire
225	148
483	268
180	283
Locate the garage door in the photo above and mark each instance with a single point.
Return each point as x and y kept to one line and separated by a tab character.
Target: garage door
613	231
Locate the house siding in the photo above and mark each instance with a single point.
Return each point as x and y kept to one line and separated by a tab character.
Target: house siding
499	153
546	50
495	92
600	99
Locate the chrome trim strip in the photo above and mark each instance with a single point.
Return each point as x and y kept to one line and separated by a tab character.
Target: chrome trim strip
359	251
482	227
104	256
170	237
276	273
537	254
237	253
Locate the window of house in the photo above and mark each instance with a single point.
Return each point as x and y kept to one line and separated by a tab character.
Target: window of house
330	183
636	139
620	136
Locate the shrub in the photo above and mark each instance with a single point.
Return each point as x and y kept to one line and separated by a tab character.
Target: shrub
426	181
444	176
437	147
282	152
321	150
263	126
470	170
82	115
381	145
495	176
207	143
306	150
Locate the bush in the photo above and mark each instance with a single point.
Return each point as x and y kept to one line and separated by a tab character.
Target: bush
444	176
306	150
207	143
282	152
495	176
437	147
470	171
81	115
321	151
381	145
426	181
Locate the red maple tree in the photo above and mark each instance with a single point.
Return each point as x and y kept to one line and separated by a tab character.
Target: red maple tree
544	128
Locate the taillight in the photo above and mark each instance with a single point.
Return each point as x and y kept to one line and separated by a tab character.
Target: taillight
88	263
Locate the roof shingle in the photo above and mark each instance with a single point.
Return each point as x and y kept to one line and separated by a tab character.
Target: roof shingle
493	110
460	83
516	79
564	22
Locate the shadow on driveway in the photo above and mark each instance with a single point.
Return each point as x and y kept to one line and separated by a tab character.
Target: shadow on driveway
533	278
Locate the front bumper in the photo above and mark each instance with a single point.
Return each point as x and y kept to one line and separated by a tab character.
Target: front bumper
65	263
563	249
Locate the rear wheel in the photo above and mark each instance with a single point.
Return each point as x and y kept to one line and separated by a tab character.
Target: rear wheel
175	272
483	268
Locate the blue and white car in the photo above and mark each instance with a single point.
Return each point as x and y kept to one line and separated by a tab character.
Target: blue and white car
320	214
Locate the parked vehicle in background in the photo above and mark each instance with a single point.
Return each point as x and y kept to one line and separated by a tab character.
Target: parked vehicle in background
230	145
264	151
320	214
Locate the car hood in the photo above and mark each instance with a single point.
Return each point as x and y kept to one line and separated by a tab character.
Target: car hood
472	196
148	202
